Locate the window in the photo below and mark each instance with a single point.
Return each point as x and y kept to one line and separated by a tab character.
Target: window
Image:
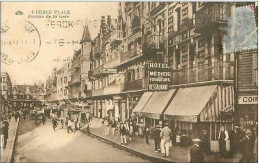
185	35
65	79
170	20
255	70
170	29
184	49
65	92
185	11
171	10
4	88
4	79
201	43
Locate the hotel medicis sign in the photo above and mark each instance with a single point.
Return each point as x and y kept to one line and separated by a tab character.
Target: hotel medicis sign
159	76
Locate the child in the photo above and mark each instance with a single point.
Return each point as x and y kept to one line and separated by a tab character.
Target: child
178	139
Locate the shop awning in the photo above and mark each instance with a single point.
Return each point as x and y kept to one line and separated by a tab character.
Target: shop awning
142	102
61	106
157	104
189	102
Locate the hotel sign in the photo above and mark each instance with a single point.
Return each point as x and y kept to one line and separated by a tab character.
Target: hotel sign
247	99
159	76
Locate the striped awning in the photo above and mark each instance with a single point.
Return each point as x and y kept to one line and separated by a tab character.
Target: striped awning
142	102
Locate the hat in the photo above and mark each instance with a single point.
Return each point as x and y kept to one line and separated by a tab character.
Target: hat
196	140
166	123
157	125
237	127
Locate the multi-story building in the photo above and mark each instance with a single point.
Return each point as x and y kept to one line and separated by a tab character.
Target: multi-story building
6	92
27	96
6	85
63	78
189	37
75	82
51	87
246	85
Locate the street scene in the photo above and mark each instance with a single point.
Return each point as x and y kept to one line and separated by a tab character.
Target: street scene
133	82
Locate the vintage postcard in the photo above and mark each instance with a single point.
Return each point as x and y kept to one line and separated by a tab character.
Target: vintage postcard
129	81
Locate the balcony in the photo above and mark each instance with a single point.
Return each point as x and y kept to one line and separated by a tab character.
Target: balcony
97	92
76	65
112	63
126	56
112	89
132	85
97	70
158	8
211	18
75	80
117	36
205	72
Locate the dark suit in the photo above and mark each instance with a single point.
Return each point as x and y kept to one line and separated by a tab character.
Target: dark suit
205	143
196	154
247	149
157	139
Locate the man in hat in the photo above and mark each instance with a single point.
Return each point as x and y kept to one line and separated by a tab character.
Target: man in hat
235	137
165	135
196	154
205	142
157	138
247	147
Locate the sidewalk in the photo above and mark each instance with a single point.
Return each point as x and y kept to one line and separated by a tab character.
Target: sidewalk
139	147
6	154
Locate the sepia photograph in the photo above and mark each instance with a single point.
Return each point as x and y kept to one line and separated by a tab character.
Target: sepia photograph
126	81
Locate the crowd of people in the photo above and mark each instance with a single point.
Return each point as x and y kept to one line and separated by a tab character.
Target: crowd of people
240	142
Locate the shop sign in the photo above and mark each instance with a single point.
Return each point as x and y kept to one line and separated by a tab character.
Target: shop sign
247	99
159	76
109	71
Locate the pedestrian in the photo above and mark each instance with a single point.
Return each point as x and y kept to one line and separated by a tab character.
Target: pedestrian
16	116
147	133
178	139
54	123
113	125
123	134
157	138
4	133
235	137
106	124
205	142
223	138
196	154
75	125
9	117
247	151
62	122
43	119
165	140
24	115
131	131
70	124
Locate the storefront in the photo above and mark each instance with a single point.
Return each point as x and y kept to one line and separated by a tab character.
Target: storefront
194	109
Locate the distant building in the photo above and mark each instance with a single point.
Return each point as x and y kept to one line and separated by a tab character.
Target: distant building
27	96
6	85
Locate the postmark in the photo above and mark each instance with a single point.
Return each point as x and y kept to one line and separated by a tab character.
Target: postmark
20	41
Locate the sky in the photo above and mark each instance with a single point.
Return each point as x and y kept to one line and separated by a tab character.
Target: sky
60	28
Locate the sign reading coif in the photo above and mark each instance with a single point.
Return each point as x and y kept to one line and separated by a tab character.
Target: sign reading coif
247	99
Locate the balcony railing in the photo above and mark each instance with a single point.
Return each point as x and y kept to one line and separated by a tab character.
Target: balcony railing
202	73
97	92
75	79
130	54
117	36
132	85
113	62
211	16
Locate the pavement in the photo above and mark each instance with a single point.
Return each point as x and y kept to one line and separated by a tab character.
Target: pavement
6	154
42	144
139	147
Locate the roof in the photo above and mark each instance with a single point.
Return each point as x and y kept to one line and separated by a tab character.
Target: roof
86	35
32	88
